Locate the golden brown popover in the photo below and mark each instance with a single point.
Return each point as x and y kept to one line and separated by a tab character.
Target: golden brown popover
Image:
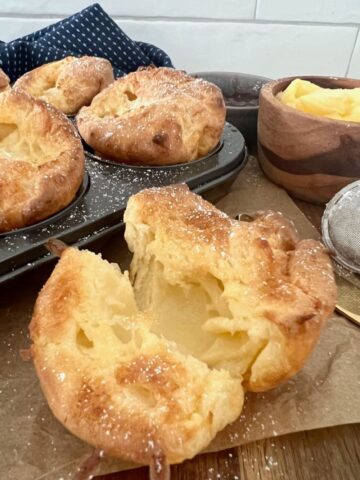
155	116
156	365
41	160
4	81
68	84
267	293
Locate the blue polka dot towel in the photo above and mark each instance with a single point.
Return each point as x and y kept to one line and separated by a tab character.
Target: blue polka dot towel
89	32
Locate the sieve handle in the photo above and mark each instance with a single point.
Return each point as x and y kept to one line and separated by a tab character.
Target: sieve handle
354	317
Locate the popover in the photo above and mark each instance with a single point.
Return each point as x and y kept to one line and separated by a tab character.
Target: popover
41	160
156	364
68	84
4	81
154	116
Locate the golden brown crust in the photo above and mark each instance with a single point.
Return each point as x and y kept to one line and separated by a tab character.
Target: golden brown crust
158	367
285	285
41	160
4	81
155	116
113	382
68	84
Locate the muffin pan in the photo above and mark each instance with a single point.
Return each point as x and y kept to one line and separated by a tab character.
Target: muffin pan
58	215
99	205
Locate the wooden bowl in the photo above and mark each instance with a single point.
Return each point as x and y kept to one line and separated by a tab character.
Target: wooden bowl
312	157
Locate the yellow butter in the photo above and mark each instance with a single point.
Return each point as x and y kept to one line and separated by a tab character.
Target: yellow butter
338	103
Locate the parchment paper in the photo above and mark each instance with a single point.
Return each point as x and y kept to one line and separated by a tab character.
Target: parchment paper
326	392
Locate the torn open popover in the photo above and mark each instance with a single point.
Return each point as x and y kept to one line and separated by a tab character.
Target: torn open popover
156	363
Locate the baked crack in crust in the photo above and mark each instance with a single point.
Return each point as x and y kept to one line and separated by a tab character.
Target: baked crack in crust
155	363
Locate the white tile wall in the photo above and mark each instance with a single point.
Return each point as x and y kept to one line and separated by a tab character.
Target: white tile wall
274	38
11	28
354	70
244	9
265	49
334	11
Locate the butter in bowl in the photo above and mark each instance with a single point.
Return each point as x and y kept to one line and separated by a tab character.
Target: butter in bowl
309	135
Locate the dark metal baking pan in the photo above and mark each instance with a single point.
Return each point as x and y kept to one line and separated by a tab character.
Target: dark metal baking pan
91	154
103	204
212	191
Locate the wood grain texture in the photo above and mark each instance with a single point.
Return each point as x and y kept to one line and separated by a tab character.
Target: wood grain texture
311	156
329	453
325	454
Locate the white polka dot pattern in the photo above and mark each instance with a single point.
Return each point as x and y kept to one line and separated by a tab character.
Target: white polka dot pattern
89	32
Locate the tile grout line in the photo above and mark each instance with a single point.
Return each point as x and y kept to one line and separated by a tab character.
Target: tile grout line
250	21
255	21
255	9
352	53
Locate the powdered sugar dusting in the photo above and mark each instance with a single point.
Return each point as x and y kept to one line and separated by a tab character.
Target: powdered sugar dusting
104	203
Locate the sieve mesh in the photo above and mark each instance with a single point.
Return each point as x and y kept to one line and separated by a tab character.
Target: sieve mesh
341	226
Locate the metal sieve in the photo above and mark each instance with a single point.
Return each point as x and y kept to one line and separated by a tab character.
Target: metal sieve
341	227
